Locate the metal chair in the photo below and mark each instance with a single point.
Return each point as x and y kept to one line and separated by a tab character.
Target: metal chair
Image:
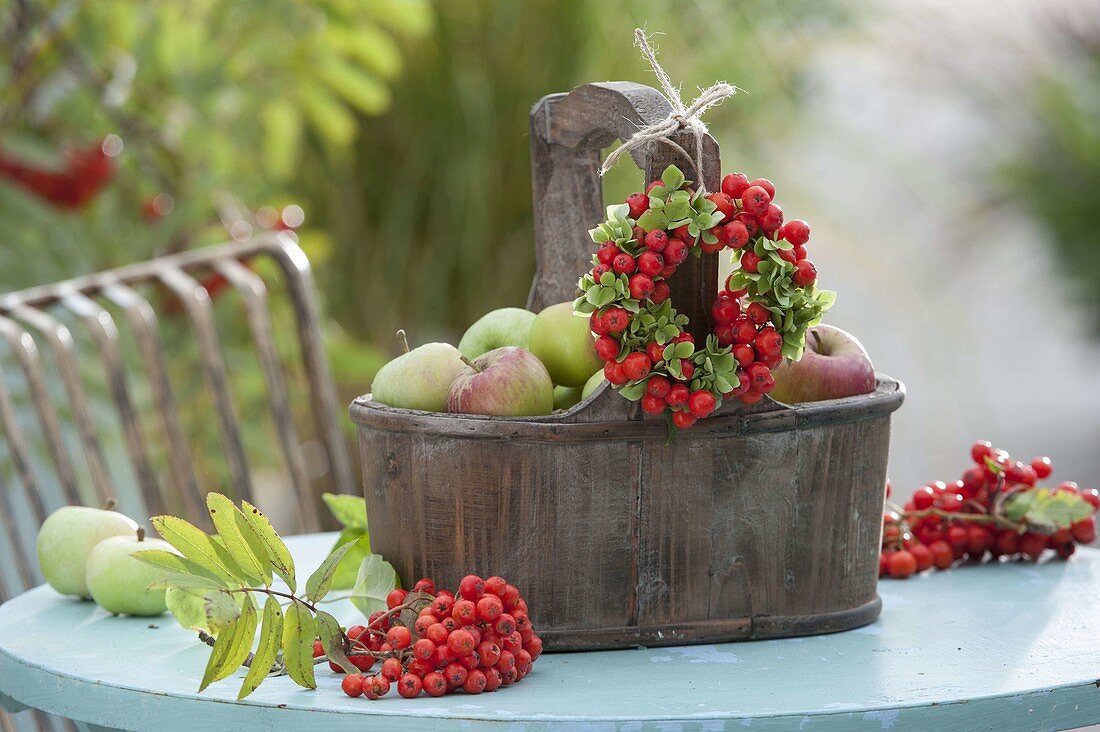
67	442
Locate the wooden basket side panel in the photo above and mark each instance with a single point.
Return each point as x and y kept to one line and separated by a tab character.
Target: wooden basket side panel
542	515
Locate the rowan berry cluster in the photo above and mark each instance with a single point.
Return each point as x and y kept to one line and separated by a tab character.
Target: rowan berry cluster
760	317
996	509
437	642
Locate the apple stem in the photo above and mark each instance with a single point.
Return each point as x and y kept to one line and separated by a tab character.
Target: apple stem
817	338
402	339
141	533
470	363
109	504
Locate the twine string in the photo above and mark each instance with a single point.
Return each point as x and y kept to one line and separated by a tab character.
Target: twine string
681	117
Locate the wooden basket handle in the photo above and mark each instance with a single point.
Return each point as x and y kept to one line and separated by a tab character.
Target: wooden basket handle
568	132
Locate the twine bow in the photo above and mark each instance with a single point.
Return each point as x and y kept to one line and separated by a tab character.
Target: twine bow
681	118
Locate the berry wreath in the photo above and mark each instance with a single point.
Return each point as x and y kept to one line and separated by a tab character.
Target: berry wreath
760	318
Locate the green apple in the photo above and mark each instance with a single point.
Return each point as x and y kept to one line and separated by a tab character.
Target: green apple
119	583
68	536
420	379
563	342
496	329
505	382
592	384
566	396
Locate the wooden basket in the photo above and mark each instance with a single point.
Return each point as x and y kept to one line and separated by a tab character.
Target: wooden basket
758	522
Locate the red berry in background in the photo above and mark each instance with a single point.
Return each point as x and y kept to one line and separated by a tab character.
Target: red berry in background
901	564
391	669
712	248
923	498
475	682
651	263
435	684
352	684
734	185
744	354
395	598
1032	545
725	309
676	252
1042	467
755	200
598	271
942	555
768	343
655	351
461	643
724	202
636	366
736	235
957	537
652	404
617	319
318	649
638	203
623	263
409	686
607	348
399	637
796	231
683	234
607	252
750	261
1092	496
724	333
978	540
639	234
613	372
765	184
805	273
683	420
772	218
597	324
757	313
1066	550
677	395
641	286
656	240
660	293
1084	531
658	386
465	611
653	184
980	451
748	220
701	403
743	330
751	397
787	255
455	673
1006	542
922	555
799	253
951	502
973	480
379	685
493	679
687	368
363	662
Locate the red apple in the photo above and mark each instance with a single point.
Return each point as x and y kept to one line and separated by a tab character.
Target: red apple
834	365
505	382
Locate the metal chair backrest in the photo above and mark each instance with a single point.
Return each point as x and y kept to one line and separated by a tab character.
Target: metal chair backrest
55	429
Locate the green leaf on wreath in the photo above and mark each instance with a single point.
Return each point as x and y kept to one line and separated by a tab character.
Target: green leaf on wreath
673	177
653	219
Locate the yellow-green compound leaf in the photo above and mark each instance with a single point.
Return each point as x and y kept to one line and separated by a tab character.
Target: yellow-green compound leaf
299	631
224	515
221	611
350	511
232	645
271	639
194	544
348	568
180	568
187	606
320	582
376	580
332	639
277	553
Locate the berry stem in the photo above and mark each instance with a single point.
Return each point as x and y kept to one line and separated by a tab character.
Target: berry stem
979	518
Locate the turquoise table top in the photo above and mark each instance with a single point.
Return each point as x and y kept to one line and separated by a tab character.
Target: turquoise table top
1013	647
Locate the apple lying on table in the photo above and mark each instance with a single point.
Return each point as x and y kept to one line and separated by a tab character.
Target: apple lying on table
834	365
505	382
419	379
563	342
496	329
119	583
68	536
